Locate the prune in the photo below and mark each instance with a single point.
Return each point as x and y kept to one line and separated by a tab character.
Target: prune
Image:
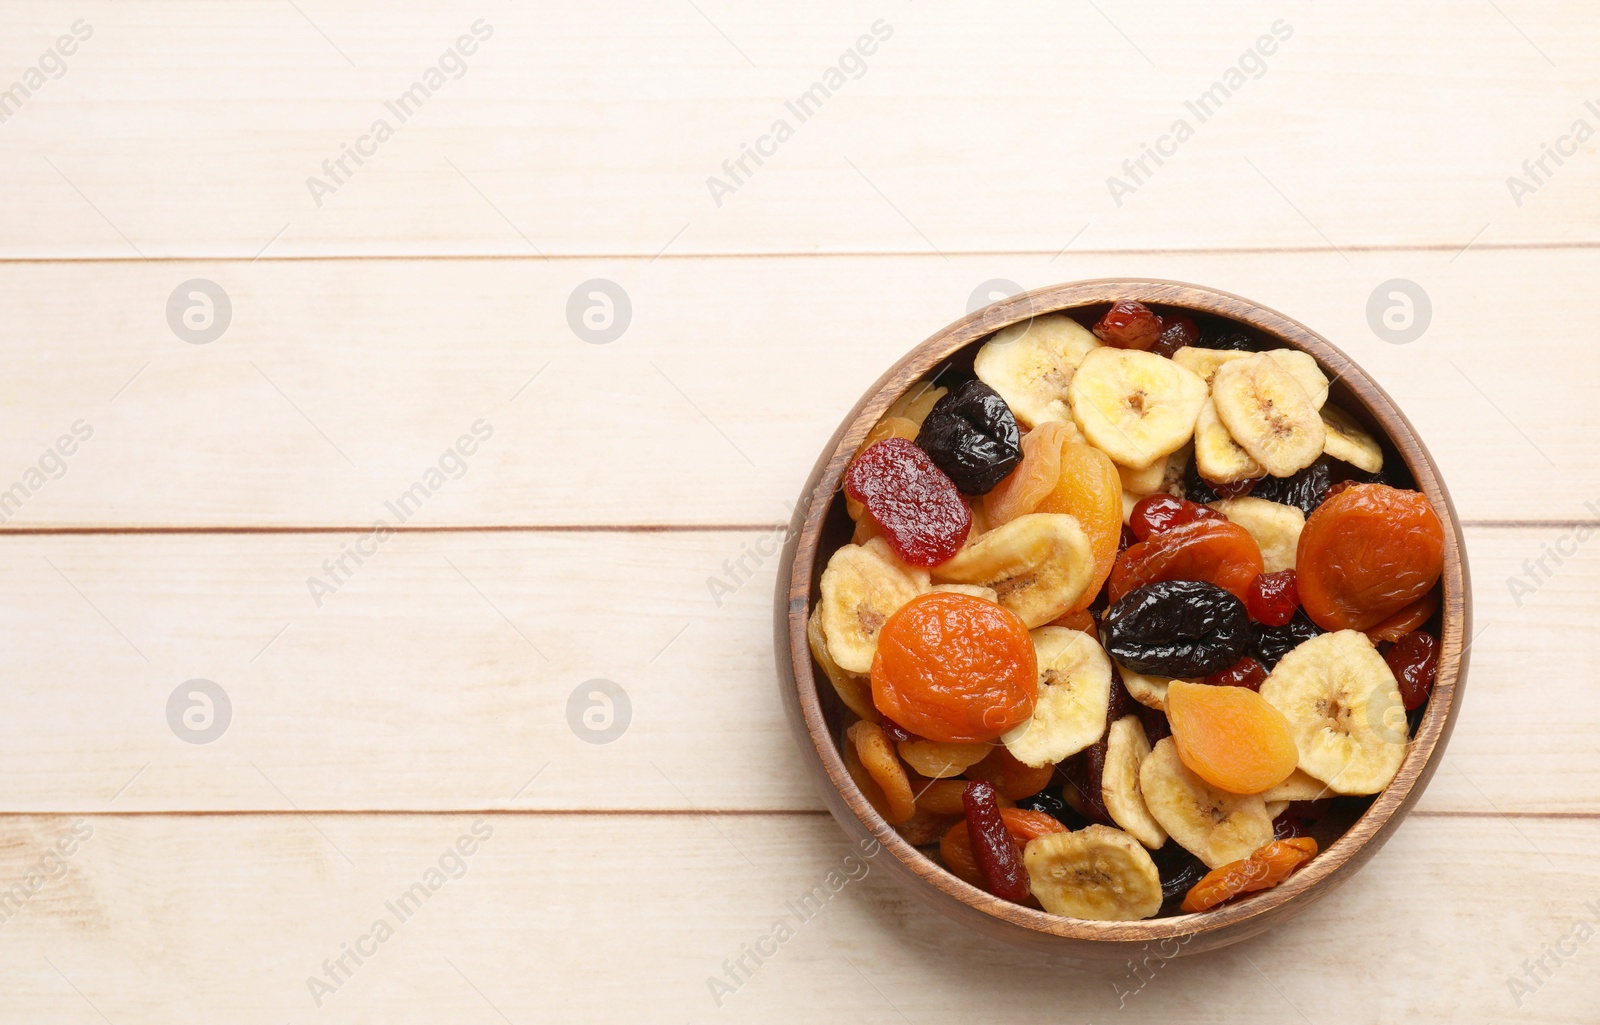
1195	487
1414	660
1129	325
992	846
923	516
1048	801
1156	727
972	436
1154	513
1306	489
1270	643
1246	672
1177	331
1273	598
1225	334
1216	551
1366	555
1082	795
1288	825
1177	628
1180	871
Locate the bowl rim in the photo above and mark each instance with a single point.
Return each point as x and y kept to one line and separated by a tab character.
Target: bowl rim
1334	864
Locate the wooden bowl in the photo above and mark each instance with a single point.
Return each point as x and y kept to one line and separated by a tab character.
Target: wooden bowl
817	716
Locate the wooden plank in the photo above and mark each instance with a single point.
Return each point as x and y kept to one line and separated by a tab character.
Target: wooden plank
226	918
572	131
338	384
438	677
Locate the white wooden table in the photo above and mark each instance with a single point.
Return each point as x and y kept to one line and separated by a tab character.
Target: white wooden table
420	697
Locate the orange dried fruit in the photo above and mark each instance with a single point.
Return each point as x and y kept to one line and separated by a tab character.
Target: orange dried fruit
956	846
877	757
955	668
943	797
1034	478
1265	868
1090	489
1010	777
1367	553
1231	737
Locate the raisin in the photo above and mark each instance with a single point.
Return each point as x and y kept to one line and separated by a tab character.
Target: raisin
1270	643
1129	325
1273	598
1414	660
1246	672
972	436
1177	628
1306	489
924	518
1225	334
992	846
1177	331
1154	513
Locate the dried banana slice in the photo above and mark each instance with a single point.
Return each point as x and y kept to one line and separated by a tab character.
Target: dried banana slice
1276	528
1126	750
1205	362
1074	692
976	590
1096	873
1268	413
1215	826
1300	786
1346	440
1216	455
1031	363
862	586
1038	565
1344	710
1135	406
853	689
1303	368
1150	691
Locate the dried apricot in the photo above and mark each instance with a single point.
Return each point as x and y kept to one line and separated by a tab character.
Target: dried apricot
878	758
1034	478
1009	776
937	760
1365	554
956	846
1216	551
1267	867
1407	619
1230	736
925	827
955	668
1089	489
943	797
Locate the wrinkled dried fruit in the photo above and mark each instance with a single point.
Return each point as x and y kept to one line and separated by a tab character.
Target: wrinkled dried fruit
1089	490
1153	514
972	436
1270	643
1034	478
1048	802
1262	870
954	668
1010	777
1129	325
1407	619
937	760
883	430
1230	736
1216	551
1307	488
1177	331
1246	672
956	846
992	846
1366	554
1273	598
1414	660
878	758
1180	871
922	515
1225	334
1177	628
923	828
943	797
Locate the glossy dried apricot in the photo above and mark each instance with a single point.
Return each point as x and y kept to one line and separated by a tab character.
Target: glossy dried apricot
955	668
1268	866
1034	478
878	758
1367	553
1089	489
1216	551
1230	736
1407	619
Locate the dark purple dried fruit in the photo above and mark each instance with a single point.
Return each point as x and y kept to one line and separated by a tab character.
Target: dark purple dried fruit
1270	643
1225	334
1306	489
1048	801
971	435
1177	628
1180	871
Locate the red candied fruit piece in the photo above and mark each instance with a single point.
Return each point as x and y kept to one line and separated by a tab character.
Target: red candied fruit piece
1246	672
1129	325
992	846
1414	660
1273	598
1177	331
1154	513
1237	489
923	516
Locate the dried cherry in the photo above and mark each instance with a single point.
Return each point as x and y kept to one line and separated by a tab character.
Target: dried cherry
1273	598
992	846
1154	513
1216	551
1129	325
1177	628
1414	660
1270	643
1177	331
1366	554
923	516
1305	489
972	436
1246	672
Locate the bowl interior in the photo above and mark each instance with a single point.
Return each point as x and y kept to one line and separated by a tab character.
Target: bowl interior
1353	829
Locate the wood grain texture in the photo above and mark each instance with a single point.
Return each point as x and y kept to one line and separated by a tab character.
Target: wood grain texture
710	409
161	919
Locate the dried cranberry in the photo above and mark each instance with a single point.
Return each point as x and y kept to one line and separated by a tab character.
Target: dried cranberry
972	436
897	733
1306	489
1414	660
1177	628
992	846
1154	513
924	518
1129	325
1246	672
1273	598
1270	643
1177	331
